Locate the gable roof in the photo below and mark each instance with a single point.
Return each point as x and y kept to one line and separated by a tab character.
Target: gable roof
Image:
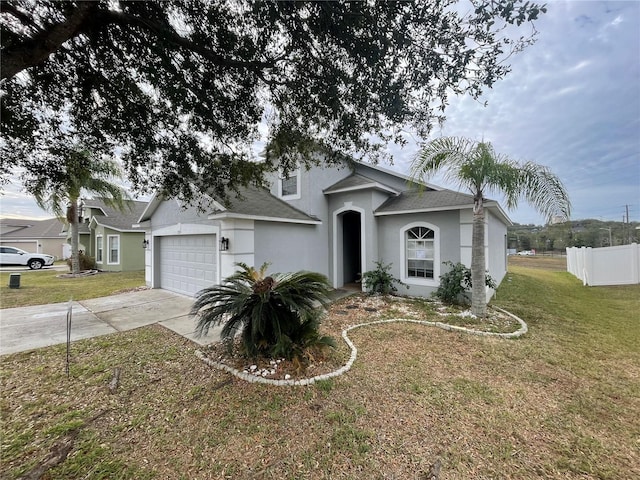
252	203
49	228
405	178
356	181
258	203
418	201
426	200
113	218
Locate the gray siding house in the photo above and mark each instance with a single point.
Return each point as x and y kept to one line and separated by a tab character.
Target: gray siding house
108	235
334	220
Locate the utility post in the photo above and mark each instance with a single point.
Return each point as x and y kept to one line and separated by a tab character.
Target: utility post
628	224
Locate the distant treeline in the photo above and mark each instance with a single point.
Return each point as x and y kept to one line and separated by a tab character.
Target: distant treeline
576	233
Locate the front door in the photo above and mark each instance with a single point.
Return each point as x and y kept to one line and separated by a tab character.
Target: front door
351	247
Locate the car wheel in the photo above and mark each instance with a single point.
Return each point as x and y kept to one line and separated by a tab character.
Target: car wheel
35	264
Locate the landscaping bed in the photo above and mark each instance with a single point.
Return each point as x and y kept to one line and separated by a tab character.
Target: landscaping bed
349	312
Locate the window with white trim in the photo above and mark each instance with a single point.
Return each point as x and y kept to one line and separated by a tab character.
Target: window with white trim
99	248
113	249
289	186
420	254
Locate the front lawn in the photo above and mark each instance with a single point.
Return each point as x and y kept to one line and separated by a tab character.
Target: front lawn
561	402
42	287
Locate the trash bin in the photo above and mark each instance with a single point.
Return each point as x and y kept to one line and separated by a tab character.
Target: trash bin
14	280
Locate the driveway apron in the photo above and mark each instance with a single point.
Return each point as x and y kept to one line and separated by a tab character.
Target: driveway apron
28	328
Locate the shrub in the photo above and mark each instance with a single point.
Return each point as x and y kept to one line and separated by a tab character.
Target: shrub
455	284
276	315
380	281
86	262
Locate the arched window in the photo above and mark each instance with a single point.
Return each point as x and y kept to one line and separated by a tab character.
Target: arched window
420	253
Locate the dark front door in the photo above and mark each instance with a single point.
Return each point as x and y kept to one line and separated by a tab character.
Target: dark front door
351	248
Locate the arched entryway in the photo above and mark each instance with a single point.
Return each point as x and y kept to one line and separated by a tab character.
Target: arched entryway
348	245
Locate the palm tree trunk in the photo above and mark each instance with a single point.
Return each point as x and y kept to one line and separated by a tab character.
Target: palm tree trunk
478	290
72	218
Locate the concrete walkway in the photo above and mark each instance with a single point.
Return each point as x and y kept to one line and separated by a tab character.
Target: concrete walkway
27	328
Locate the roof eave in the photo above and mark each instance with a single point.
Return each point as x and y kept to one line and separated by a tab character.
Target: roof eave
243	216
423	210
493	205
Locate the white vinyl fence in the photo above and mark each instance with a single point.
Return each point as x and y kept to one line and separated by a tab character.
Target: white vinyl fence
605	266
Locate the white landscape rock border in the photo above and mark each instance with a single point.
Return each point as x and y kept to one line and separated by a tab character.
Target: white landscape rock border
354	351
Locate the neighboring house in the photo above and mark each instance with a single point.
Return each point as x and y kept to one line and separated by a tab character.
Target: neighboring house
335	221
35	236
108	235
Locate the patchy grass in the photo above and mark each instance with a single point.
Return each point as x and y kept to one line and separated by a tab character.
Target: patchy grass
557	264
561	402
43	287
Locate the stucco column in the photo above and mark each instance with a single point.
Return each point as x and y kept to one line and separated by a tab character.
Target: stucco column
240	234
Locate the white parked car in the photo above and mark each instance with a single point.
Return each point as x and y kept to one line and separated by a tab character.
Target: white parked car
526	253
16	256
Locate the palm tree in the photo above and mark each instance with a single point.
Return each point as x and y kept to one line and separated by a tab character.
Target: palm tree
277	315
476	167
60	192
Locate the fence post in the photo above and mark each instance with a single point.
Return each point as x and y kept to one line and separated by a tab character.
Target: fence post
635	263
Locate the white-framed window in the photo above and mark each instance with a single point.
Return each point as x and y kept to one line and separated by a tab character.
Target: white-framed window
289	186
99	248
420	254
113	249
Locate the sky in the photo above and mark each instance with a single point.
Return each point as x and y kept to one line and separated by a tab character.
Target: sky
571	102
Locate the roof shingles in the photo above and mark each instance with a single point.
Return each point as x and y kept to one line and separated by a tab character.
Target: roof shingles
258	202
50	228
114	218
416	200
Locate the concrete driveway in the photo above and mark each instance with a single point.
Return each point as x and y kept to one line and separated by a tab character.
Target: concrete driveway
27	328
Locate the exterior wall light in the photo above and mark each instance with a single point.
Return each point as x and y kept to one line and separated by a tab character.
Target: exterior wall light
224	244
145	243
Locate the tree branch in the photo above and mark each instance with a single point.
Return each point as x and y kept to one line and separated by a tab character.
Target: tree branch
6	7
37	49
160	31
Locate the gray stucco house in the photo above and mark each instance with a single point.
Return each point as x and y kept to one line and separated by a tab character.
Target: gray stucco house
337	221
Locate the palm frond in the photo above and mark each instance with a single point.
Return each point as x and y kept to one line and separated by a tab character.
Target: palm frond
544	191
449	156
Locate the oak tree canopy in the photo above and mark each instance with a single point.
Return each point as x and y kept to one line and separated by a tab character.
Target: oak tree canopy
181	89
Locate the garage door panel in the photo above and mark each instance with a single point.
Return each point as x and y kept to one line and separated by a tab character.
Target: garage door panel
188	263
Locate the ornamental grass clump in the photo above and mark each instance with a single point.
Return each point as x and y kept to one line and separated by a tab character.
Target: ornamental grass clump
276	315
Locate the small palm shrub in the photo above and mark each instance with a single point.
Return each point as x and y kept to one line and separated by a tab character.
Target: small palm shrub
456	283
276	315
380	281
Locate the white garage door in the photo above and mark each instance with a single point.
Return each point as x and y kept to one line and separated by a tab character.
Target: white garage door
187	263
